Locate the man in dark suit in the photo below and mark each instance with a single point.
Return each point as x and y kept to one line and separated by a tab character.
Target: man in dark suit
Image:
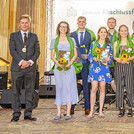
25	50
83	38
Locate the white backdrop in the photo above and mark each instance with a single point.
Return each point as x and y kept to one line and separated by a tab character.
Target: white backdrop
96	11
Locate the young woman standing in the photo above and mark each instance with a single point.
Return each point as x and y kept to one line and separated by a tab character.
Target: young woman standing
124	71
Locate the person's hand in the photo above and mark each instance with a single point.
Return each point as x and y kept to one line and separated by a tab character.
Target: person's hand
68	65
60	65
123	61
107	59
25	64
119	60
77	59
95	59
81	82
84	56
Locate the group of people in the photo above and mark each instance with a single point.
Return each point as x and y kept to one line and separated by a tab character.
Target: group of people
116	71
80	48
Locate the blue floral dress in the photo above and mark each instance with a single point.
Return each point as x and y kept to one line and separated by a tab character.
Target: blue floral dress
99	72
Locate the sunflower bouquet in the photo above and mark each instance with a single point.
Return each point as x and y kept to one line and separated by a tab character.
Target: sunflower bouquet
125	54
64	62
98	54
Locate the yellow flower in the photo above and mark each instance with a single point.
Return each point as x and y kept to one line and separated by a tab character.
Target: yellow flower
124	56
97	50
63	60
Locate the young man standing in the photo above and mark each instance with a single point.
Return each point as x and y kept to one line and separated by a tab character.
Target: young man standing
83	37
111	23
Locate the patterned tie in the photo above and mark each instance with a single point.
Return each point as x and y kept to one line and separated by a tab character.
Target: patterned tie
81	37
25	39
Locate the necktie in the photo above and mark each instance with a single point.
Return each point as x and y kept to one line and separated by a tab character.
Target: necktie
81	37
25	39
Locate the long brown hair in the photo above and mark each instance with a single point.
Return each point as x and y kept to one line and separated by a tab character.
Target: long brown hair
107	37
68	28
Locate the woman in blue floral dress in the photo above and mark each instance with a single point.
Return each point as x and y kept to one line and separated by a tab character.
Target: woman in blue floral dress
99	73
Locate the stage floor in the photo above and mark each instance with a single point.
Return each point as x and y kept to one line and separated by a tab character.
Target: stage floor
79	124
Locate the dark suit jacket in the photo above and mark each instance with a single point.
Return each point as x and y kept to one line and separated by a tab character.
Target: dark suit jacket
32	50
86	41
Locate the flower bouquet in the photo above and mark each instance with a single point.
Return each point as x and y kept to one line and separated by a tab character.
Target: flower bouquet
102	53
98	54
64	58
125	53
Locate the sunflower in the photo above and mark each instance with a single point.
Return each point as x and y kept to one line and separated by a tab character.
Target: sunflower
63	60
97	50
124	56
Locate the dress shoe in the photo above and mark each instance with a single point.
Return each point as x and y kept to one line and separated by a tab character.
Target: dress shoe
71	111
30	118
15	118
87	111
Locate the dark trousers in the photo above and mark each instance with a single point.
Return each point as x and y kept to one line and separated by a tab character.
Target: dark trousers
29	83
86	86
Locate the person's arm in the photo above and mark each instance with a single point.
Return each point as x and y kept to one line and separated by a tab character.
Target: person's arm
13	50
75	55
32	60
73	59
90	56
130	58
110	58
37	50
54	59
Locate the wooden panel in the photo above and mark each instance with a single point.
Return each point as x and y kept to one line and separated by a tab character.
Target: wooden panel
10	12
11	28
4	4
36	9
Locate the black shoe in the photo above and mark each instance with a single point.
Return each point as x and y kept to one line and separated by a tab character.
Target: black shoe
122	113
30	118
15	118
130	113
